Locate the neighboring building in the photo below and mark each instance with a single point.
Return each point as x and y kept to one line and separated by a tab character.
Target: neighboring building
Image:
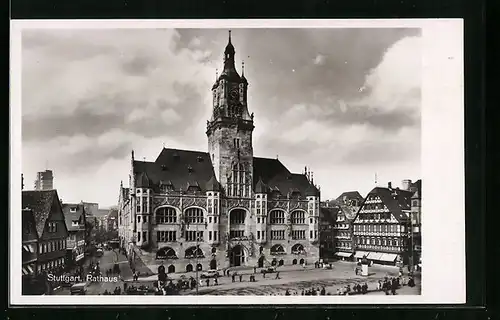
102	219
50	228
112	220
415	226
224	207
348	204
327	215
75	217
44	180
30	284
351	198
125	223
381	230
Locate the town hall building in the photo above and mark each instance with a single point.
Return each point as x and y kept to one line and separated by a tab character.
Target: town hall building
224	207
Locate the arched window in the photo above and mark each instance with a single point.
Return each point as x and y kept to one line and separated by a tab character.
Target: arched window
194	215
298	217
194	252
298	249
237	216
166	215
166	253
277	249
239	181
277	217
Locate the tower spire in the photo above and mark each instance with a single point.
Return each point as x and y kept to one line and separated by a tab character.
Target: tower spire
229	35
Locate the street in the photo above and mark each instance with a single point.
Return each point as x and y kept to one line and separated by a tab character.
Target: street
292	278
106	262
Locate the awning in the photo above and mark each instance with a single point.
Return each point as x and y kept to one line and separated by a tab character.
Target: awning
343	254
375	255
28	248
360	254
27	270
389	257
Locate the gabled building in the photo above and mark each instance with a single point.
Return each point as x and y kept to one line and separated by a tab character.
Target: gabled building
75	217
220	207
351	198
51	230
381	227
29	254
416	225
327	215
348	204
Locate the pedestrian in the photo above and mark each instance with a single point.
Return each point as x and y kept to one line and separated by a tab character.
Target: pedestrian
278	275
216	282
254	270
263	273
241	277
323	291
356	270
208	282
287	293
233	276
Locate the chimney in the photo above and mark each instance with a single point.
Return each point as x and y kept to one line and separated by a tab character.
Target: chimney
389	185
406	184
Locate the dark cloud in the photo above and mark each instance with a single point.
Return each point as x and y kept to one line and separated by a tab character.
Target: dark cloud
89	119
95	155
139	65
348	56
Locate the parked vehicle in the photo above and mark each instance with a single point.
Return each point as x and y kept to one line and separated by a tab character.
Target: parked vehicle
79	289
99	253
210	274
268	270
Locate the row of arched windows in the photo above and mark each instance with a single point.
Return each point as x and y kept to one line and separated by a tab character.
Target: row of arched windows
168	215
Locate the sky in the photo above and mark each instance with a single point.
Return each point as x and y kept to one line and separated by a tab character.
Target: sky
346	103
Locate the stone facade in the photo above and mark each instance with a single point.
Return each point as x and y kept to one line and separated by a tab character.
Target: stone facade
222	208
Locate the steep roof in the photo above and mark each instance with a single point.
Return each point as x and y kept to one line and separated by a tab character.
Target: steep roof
276	176
40	202
28	222
70	216
184	168
213	184
350	195
395	200
416	188
178	167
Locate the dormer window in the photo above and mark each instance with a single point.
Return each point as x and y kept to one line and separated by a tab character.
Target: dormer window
75	223
72	209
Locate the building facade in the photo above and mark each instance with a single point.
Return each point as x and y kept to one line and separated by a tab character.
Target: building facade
221	208
30	284
44	180
327	215
381	227
415	227
348	204
75	217
50	229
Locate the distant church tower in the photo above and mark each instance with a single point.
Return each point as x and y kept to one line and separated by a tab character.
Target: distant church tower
230	128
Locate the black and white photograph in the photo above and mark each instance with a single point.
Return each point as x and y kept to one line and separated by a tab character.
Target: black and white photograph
237	162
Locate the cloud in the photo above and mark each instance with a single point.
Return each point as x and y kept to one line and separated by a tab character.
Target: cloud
319	60
91	96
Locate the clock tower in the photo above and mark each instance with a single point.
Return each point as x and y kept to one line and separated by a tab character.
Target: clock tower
230	128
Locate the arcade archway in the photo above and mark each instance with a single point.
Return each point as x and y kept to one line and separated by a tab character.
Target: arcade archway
213	264
189	268
237	256
171	268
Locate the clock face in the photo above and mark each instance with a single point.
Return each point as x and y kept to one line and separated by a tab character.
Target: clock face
234	94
